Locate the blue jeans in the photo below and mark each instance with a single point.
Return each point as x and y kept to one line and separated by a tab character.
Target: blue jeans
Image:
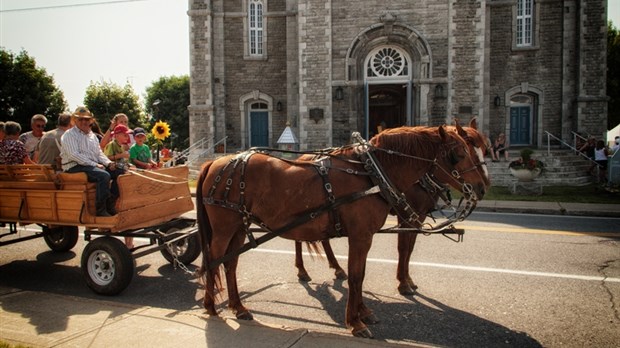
102	179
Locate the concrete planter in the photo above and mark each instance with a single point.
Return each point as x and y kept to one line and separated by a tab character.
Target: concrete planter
525	174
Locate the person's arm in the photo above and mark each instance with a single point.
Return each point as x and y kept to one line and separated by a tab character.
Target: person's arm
107	136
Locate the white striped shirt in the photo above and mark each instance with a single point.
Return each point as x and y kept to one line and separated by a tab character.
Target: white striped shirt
81	148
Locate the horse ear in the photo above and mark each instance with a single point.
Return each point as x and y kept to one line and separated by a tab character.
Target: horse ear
461	131
456	121
442	133
473	123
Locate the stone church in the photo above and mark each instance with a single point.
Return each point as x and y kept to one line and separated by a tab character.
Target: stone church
331	67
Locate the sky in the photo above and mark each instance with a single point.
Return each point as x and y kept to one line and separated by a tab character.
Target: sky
118	41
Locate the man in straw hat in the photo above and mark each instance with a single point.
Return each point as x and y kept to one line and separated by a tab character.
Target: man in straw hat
81	153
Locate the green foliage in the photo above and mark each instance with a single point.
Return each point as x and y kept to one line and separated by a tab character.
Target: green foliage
173	94
526	154
26	90
106	99
613	75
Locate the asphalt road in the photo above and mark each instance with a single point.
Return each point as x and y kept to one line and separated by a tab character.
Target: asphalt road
515	280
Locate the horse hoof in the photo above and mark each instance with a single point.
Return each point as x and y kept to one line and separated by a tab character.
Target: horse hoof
363	333
304	277
340	274
370	319
406	290
245	315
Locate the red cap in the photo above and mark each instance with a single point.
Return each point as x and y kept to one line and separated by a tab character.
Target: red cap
121	129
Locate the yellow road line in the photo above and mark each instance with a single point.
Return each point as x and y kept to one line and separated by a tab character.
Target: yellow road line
391	222
537	231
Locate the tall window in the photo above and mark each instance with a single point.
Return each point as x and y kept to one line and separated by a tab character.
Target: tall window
255	19
525	10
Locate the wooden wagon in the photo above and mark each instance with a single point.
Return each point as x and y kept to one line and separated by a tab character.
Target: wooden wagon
151	205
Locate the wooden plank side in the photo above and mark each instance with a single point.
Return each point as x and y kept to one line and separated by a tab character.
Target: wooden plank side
70	205
35	185
144	188
41	205
10	204
27	172
153	214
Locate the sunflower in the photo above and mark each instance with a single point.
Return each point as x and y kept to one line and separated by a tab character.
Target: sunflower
161	130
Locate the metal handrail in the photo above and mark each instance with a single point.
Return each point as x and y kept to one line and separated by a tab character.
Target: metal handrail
190	152
579	153
194	155
575	136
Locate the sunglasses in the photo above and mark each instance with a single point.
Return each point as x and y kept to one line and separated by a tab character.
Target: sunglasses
40	126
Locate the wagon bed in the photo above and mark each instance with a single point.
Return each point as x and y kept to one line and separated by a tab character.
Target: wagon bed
36	194
150	205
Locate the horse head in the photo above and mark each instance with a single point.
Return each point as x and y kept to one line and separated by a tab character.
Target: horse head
460	164
437	151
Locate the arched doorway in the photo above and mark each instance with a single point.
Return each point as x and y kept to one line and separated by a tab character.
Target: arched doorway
388	89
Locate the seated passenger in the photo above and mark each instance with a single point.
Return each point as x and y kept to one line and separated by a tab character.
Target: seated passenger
140	153
81	153
13	151
47	150
115	150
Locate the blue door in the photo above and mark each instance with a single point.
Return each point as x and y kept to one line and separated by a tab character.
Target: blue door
259	128
520	125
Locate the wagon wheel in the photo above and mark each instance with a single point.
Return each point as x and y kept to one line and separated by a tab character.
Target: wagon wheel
185	250
61	238
107	266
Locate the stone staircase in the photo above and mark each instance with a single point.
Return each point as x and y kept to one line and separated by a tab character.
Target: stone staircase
562	167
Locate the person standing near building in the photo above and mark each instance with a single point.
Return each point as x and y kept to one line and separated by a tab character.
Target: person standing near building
601	152
48	149
80	152
32	138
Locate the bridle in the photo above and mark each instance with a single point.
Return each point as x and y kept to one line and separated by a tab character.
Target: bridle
429	182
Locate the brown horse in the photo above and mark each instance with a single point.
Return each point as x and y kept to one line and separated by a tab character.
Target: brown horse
424	200
345	194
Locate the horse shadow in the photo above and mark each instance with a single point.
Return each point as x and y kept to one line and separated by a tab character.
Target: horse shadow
420	318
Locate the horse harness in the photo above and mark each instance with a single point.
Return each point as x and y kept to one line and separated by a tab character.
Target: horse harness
381	185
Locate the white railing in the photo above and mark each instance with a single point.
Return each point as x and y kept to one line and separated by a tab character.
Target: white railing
549	136
575	137
196	150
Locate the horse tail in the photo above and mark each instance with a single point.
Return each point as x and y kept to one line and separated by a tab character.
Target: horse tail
205	232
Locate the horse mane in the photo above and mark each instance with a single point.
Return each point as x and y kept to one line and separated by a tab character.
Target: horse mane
418	141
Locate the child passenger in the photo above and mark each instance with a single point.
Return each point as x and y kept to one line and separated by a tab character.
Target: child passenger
140	153
115	149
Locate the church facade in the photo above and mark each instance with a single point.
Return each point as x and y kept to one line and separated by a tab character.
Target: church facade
526	68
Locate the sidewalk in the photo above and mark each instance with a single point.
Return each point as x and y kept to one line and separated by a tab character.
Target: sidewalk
550	208
36	319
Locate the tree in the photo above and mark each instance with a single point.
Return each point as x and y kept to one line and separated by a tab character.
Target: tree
26	90
106	99
613	75
173	94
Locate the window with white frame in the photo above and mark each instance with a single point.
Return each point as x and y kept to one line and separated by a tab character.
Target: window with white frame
525	14
255	20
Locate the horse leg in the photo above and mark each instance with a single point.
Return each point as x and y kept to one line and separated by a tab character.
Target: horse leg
209	297
333	263
358	252
406	242
234	301
302	274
